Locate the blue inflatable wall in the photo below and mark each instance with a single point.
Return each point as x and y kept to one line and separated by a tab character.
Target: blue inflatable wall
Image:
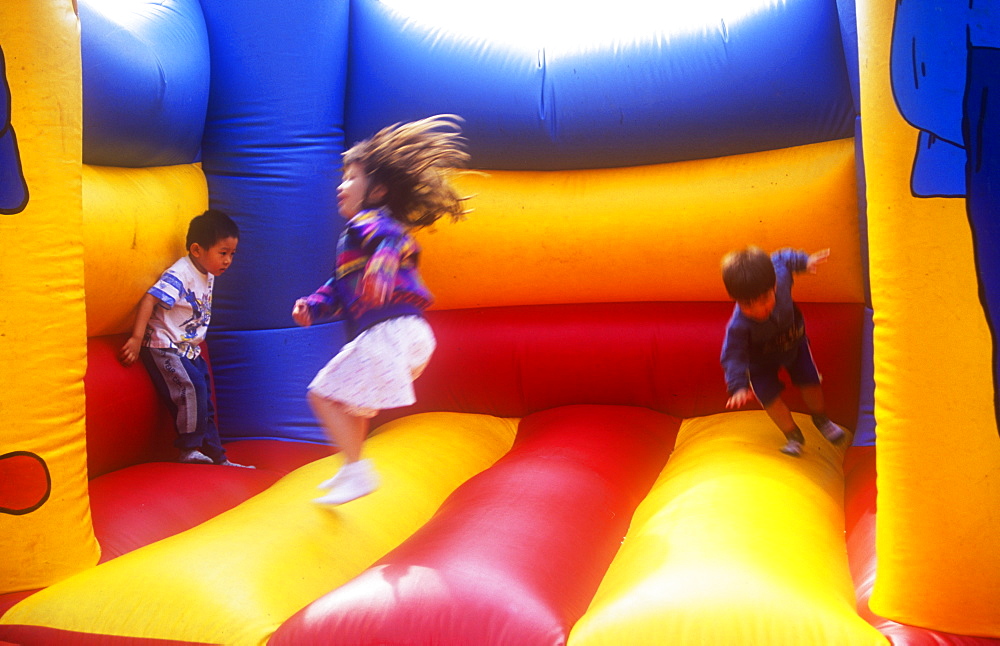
146	82
772	78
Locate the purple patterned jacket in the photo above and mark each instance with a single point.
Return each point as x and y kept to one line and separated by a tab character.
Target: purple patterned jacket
376	277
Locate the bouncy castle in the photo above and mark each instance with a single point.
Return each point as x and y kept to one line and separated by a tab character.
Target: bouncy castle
569	473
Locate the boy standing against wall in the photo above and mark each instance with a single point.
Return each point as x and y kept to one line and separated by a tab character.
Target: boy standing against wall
170	326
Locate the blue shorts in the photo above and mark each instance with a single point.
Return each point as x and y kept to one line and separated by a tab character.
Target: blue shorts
798	362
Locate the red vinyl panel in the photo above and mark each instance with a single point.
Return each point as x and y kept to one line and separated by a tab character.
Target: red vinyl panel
516	553
277	455
138	494
142	504
127	423
512	361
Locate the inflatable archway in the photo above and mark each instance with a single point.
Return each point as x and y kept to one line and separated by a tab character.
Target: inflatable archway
576	399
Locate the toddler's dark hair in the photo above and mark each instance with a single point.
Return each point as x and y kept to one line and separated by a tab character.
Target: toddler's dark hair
210	227
748	273
412	160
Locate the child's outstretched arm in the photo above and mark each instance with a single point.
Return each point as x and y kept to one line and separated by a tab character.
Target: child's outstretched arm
735	363
320	306
816	259
301	313
130	351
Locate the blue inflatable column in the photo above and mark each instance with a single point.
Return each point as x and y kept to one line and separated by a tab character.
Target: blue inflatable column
271	152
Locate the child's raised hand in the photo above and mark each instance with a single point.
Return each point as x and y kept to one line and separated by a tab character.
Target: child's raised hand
301	313
817	259
738	398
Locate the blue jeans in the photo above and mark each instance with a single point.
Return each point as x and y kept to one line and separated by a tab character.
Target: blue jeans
184	386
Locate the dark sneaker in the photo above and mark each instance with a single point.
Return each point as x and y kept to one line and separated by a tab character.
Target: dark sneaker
833	433
793	448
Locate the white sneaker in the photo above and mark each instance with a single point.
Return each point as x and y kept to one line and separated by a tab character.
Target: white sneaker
194	456
354	480
229	463
332	482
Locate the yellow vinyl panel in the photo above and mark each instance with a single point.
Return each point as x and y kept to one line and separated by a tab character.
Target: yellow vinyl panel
736	543
938	529
236	578
45	526
134	224
646	233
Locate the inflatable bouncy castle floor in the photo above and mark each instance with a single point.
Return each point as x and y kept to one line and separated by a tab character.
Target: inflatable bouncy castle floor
569	474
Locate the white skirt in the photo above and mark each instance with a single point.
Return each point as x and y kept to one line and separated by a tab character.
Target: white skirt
376	370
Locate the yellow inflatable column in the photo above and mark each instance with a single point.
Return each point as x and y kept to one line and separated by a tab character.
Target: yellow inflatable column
134	225
938	536
45	528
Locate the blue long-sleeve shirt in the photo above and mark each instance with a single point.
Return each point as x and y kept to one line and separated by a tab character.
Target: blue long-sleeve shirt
748	341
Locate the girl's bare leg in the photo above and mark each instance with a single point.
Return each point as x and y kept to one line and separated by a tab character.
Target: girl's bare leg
356	478
343	429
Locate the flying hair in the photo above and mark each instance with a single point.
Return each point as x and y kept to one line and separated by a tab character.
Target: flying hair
414	161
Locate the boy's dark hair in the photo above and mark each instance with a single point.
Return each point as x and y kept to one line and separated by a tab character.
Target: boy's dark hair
748	274
210	227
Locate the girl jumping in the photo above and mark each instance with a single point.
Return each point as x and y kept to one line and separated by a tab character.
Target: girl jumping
393	183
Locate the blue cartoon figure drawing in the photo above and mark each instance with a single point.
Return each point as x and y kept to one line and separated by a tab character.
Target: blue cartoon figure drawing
201	314
13	188
946	82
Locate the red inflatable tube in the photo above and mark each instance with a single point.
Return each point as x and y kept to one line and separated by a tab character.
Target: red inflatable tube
512	361
127	423
515	555
145	503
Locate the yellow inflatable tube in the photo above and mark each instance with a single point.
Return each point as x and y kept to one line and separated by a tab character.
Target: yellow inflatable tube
236	578
736	543
570	236
134	223
45	528
938	536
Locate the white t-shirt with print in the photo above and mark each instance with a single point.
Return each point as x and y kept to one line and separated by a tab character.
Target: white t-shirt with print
180	320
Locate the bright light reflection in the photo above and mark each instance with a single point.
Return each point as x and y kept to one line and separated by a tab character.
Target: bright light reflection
566	25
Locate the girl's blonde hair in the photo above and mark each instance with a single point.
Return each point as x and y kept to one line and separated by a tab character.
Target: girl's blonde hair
413	161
